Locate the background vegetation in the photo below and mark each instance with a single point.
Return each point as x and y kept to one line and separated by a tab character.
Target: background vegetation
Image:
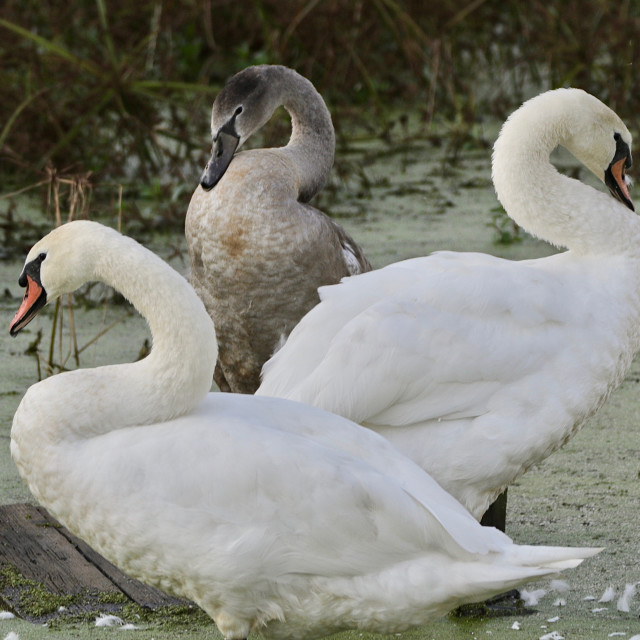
113	92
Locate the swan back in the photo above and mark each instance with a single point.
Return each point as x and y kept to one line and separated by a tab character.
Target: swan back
451	353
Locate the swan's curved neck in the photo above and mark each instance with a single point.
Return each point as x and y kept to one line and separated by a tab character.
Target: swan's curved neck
170	381
561	210
312	143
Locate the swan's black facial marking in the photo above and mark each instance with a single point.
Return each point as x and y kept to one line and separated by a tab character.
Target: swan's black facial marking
32	268
615	177
229	127
35	297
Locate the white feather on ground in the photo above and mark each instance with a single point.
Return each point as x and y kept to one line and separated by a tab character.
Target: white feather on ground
624	602
559	585
531	598
608	595
106	620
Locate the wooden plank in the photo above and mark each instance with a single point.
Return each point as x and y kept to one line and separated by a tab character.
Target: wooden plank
43	550
31	543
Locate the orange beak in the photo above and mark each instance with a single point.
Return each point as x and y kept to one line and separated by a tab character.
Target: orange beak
34	299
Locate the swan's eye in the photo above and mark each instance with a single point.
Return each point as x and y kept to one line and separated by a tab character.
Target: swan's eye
238	111
41	257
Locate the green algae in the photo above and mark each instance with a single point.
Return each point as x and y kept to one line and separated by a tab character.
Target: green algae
30	597
32	601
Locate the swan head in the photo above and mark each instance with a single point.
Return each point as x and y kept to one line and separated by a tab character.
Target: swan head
244	104
599	139
575	120
52	268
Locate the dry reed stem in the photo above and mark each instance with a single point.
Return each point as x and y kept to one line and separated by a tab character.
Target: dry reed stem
73	193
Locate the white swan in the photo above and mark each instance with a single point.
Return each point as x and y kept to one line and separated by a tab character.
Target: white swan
258	252
478	367
272	515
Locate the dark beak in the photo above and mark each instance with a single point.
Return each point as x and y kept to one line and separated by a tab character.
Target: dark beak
614	176
35	297
224	146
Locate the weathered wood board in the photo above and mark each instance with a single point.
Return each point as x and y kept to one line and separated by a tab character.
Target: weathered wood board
41	550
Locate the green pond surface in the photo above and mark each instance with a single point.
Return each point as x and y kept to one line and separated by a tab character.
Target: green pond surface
402	201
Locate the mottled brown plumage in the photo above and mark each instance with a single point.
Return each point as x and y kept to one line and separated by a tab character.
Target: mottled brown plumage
258	252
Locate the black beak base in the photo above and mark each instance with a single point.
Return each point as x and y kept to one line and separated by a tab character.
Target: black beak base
224	147
35	296
614	176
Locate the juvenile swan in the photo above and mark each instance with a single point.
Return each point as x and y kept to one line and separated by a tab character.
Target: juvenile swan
477	367
271	515
258	252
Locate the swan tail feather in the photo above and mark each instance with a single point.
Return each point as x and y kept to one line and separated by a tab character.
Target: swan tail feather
478	581
552	558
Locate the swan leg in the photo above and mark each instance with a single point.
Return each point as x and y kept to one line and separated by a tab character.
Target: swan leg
504	604
496	514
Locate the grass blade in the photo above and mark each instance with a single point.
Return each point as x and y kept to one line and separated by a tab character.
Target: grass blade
51	47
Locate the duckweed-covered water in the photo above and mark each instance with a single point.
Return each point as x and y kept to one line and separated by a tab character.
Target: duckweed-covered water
401	201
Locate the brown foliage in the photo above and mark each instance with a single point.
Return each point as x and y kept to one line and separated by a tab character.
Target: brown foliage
123	89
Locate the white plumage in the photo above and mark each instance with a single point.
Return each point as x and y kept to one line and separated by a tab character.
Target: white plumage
272	515
478	367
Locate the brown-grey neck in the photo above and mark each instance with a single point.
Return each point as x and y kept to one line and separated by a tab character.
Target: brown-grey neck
312	142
